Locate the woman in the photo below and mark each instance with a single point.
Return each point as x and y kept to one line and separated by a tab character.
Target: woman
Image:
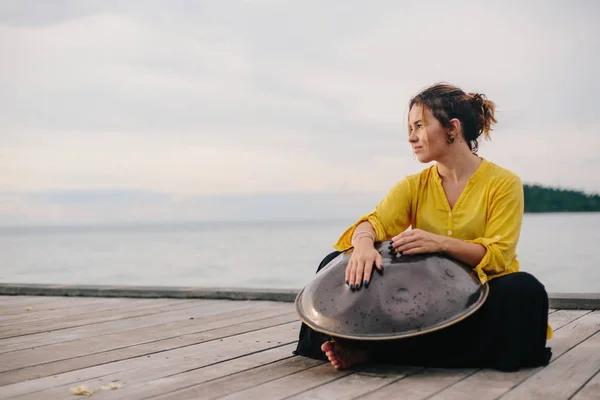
468	208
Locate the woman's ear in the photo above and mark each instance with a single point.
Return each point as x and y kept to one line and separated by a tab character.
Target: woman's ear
455	128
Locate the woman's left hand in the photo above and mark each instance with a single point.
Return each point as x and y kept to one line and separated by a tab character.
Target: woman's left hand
416	241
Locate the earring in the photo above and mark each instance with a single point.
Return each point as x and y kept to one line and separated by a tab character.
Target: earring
449	138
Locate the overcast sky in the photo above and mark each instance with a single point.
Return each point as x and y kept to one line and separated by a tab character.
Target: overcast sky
153	110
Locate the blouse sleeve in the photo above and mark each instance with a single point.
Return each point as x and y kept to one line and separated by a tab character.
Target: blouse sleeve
390	217
503	227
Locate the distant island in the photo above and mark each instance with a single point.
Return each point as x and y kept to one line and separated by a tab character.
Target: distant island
540	199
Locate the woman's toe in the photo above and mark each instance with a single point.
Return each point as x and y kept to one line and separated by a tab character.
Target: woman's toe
327	347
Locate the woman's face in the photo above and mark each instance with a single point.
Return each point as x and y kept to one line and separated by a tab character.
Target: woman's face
426	135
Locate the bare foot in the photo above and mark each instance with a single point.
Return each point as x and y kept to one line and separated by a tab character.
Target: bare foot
342	357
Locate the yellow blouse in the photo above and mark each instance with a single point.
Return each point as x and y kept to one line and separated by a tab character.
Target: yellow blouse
489	212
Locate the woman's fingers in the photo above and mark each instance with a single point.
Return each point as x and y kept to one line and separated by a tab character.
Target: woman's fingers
379	262
367	270
415	250
408	243
348	271
367	273
396	240
408	246
352	273
400	243
358	278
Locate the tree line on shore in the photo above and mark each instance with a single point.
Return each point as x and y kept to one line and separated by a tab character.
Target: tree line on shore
546	199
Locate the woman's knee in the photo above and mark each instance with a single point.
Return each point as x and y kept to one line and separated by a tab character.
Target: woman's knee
519	283
328	258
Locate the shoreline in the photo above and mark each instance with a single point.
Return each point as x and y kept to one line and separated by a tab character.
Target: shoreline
569	301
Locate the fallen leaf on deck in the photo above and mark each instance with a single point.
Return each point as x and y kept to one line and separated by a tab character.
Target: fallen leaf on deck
83	390
112	386
28	309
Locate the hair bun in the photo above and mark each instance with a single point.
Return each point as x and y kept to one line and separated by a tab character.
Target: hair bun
477	99
485	113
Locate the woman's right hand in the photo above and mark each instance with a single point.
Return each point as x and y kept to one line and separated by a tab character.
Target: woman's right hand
360	266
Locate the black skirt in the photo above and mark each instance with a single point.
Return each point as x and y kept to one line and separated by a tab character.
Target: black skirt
507	332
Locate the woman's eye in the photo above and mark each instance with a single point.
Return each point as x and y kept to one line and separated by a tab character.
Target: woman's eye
419	126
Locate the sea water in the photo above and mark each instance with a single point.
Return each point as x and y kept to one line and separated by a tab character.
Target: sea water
560	249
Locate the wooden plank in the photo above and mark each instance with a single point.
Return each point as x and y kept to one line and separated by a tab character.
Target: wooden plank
264	339
563	377
574	333
18	303
357	384
75	308
165	345
62	351
161	364
421	385
97	327
491	384
496	383
131	310
15	299
6	330
12	300
591	389
221	379
138	350
181	326
291	384
36	304
564	317
103	328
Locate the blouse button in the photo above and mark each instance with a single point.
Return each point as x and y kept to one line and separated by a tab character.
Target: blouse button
449	213
449	232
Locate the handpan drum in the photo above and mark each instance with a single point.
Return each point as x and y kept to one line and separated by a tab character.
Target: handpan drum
415	294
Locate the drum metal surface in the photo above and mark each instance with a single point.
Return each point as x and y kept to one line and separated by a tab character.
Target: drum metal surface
415	295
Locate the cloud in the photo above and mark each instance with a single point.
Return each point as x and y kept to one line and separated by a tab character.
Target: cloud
260	97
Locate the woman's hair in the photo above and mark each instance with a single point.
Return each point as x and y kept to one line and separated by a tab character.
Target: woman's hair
474	111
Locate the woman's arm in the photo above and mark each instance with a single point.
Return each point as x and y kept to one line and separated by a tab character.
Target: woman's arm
469	253
503	228
418	241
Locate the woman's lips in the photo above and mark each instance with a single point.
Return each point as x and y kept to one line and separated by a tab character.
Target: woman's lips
417	148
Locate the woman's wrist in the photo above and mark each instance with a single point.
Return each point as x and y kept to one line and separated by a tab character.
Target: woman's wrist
361	233
362	241
445	243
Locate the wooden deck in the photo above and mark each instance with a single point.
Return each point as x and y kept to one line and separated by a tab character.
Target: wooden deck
205	349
